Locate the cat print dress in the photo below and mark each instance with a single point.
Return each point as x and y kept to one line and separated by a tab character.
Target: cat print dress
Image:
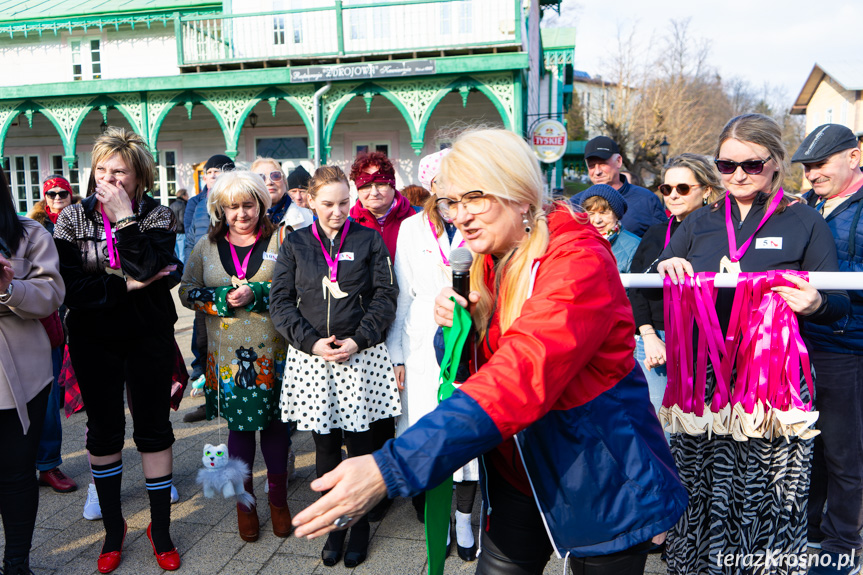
245	353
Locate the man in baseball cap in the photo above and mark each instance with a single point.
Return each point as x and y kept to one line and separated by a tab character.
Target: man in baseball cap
604	162
831	163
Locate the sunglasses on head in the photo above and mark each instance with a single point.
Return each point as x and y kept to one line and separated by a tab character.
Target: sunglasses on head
682	189
63	195
751	167
275	176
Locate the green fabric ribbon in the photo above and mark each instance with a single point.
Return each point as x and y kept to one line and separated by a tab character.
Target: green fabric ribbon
439	499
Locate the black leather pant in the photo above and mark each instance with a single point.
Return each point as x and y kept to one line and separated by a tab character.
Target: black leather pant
516	525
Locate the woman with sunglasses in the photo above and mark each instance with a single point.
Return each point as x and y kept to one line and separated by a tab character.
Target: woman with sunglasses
58	195
423	269
572	460
382	208
284	213
605	207
748	496
333	298
689	182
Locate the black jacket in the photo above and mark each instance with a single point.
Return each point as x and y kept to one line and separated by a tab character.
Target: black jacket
304	311
99	305
647	303
797	238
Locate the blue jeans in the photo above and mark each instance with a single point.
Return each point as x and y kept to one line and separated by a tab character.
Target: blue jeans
657	377
48	452
837	462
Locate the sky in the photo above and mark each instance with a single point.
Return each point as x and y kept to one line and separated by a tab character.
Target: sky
762	41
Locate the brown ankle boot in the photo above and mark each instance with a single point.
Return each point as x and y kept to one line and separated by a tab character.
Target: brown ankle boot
281	518
248	524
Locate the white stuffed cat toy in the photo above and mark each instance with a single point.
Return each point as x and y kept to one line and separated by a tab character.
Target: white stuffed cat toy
224	475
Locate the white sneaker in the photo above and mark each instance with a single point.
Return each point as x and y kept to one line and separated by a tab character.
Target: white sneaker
92	509
174	495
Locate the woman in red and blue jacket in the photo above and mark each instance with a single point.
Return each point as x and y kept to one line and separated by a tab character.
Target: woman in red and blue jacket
574	460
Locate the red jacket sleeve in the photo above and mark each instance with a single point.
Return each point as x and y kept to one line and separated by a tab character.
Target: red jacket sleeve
572	341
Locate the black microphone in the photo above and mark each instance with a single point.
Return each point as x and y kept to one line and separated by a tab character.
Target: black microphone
460	260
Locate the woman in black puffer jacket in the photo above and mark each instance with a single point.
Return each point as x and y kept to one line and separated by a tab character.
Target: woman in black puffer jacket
333	297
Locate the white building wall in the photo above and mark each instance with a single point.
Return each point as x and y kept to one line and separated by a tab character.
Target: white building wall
125	53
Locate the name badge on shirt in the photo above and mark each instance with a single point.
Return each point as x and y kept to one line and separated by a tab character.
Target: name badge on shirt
346	257
768	244
270	256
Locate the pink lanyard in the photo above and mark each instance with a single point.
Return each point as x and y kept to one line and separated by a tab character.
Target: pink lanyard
668	232
331	263
241	268
113	254
442	256
737	254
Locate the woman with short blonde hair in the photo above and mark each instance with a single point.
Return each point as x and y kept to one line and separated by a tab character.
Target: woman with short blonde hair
228	278
116	248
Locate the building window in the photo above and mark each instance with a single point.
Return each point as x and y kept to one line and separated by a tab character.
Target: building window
165	186
282	148
96	58
279	30
445	19
365	147
62	168
86	58
76	61
22	173
465	21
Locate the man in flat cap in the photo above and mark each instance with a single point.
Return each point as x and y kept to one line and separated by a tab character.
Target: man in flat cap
604	162
831	162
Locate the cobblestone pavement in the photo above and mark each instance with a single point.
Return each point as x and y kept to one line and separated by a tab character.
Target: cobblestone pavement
205	530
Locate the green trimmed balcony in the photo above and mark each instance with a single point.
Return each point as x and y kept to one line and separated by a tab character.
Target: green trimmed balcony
349	30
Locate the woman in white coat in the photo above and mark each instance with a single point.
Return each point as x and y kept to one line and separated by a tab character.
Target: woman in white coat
422	270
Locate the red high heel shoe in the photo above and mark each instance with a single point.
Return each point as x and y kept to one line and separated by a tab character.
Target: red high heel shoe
111	560
169	560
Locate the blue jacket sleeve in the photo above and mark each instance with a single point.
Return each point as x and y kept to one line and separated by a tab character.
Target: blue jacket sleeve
188	225
437	445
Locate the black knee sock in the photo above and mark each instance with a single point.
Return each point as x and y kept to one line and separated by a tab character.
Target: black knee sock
108	479
465	493
159	490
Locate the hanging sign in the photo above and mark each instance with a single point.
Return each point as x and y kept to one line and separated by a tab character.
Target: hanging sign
548	140
364	70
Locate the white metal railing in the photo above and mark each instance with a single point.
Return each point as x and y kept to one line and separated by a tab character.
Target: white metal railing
345	28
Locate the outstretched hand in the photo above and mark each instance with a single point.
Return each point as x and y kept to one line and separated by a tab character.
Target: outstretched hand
355	486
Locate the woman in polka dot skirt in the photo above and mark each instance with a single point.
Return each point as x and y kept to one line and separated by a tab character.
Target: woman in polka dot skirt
333	297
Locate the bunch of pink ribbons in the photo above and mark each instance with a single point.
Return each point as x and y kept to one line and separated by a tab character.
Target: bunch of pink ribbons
762	353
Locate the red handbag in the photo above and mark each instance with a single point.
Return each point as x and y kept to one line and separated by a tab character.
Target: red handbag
54	328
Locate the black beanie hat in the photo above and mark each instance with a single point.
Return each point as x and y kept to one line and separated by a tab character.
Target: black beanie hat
220	161
299	178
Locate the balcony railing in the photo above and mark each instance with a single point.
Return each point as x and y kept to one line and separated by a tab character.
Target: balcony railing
348	29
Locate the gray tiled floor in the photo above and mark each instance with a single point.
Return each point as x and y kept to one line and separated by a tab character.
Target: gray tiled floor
204	530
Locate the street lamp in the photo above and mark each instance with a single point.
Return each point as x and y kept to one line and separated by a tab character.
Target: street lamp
253	119
663	149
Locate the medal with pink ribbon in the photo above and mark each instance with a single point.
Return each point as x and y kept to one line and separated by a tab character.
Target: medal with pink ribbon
330	283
